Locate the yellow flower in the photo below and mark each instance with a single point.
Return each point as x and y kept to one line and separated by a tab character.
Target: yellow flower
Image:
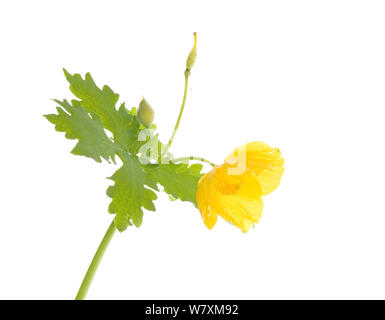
235	188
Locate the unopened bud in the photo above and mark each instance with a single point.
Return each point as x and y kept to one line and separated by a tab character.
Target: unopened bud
193	55
145	113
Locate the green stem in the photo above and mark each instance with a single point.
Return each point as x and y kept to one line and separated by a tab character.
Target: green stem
186	76
194	158
95	262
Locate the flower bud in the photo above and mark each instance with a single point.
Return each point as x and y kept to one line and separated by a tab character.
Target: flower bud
145	113
193	55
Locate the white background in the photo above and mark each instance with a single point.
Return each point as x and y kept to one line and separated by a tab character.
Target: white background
305	76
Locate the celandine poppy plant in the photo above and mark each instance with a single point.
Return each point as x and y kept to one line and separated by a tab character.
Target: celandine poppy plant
232	190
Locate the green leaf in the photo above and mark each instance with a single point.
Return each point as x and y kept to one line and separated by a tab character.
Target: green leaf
134	182
178	180
75	121
123	124
129	193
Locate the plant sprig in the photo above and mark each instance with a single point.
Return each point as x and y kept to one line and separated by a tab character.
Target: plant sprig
95	112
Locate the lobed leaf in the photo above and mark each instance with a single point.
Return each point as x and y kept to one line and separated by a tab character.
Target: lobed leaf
77	123
129	193
88	119
123	125
178	180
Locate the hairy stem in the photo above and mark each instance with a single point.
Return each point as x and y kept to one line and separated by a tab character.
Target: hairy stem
95	262
194	158
186	76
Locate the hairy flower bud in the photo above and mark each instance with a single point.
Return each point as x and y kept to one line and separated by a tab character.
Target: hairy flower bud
193	55
145	113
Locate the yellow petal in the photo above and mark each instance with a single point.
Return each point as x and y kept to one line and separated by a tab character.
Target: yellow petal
204	193
240	204
250	188
209	217
264	162
242	213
